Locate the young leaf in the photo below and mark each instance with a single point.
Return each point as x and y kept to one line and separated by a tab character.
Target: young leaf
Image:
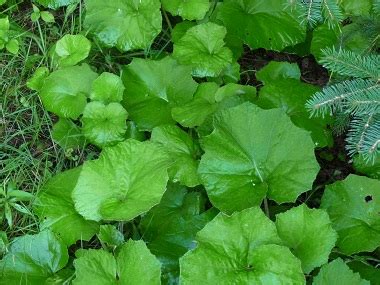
203	48
37	80
153	88
32	259
251	154
107	88
13	46
111	236
338	273
170	227
47	17
127	180
55	209
134	264
104	125
125	24
65	91
183	150
187	9
353	206
252	256
262	24
309	235
55	4
67	134
72	49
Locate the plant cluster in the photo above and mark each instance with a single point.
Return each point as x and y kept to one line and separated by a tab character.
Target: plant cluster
194	177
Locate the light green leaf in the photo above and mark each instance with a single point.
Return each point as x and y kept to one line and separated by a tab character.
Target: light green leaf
357	8
323	37
354	206
209	99
134	264
203	48
55	209
55	4
253	153
125	24
2	2
72	49
283	89
104	125
187	9
65	91
67	134
13	46
170	227
107	88
262	23
153	88
309	235
33	259
338	273
180	30
127	180
47	17
35	16
111	236
37	80
183	150
372	170
240	249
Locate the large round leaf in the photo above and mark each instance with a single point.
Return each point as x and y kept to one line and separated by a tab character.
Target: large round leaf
33	259
187	9
183	149
262	23
68	135
127	180
55	209
170	228
65	91
253	153
153	88
107	88
354	206
125	24
240	249
72	49
309	235
104	125
203	48
133	265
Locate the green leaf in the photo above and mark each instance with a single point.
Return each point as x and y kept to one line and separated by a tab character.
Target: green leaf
208	100
153	88
72	49
127	180
323	37
338	273
107	88
262	23
187	9
372	170
251	154
366	271
3	242
125	24
203	48
20	195
354	206
133	265
35	16
183	150
55	4
104	125
32	259
309	235
180	30
65	91
111	236
283	89
37	80
240	249
68	135
13	46
47	17
170	227
357	8
55	209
